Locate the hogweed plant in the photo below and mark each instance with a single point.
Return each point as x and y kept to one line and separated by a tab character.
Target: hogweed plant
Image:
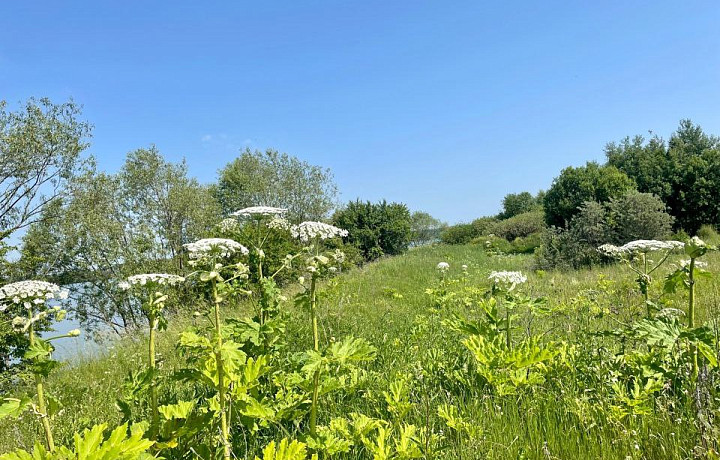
504	283
686	276
150	288
639	251
316	265
31	298
206	254
266	219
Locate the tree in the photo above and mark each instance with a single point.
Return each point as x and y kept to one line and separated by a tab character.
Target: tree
276	179
425	228
40	152
575	186
684	173
376	229
113	226
520	203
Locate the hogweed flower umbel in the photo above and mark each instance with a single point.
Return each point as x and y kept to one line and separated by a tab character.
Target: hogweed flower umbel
259	211
30	293
639	247
209	248
507	278
443	266
151	279
309	231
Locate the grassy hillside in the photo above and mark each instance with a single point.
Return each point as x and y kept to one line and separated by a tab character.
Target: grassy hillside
387	303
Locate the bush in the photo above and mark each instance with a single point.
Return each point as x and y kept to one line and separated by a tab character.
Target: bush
575	186
519	203
465	233
639	216
376	229
519	226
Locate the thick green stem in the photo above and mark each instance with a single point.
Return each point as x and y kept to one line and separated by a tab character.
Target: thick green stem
42	408
316	338
508	340
691	314
221	375
151	361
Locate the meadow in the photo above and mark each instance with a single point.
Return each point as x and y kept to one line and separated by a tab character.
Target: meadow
589	367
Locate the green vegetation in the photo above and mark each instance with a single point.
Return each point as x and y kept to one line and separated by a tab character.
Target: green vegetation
431	372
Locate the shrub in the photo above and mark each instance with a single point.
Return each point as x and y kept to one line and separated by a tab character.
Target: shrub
519	203
519	226
376	228
425	228
458	234
708	234
639	216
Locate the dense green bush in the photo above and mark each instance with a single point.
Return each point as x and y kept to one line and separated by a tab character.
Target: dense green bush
376	229
575	186
633	216
465	233
639	216
519	226
520	203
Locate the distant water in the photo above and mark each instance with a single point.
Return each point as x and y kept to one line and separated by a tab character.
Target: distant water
85	345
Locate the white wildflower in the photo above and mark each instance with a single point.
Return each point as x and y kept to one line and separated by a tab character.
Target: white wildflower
29	291
206	248
74	333
506	277
443	266
639	246
259	211
308	231
278	223
229	225
698	263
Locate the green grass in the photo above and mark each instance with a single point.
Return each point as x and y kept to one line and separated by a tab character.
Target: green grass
386	303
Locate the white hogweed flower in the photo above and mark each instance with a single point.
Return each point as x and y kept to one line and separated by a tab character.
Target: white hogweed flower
30	292
308	231
206	248
259	212
443	266
278	223
639	246
152	279
228	225
698	263
507	277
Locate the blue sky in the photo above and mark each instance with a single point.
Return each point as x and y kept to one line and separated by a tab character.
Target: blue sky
446	106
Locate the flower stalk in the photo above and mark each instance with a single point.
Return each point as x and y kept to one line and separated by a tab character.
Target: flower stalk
42	407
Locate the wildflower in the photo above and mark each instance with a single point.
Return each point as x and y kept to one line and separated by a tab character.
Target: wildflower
278	223
464	267
259	211
228	225
29	291
639	246
698	263
74	333
208	247
18	323
308	231
506	277
443	266
151	278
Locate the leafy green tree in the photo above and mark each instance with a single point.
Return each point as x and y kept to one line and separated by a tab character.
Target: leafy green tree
271	178
520	203
118	225
377	229
40	152
684	172
425	228
575	186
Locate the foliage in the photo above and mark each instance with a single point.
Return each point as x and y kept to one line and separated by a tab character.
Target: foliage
114	226
40	152
520	203
575	186
519	226
271	178
638	216
464	233
684	172
377	229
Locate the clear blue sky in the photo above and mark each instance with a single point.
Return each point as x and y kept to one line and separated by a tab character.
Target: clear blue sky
446	106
